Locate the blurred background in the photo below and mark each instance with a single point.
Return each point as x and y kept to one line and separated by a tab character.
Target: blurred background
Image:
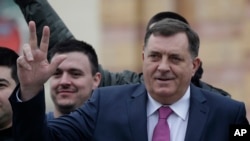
116	29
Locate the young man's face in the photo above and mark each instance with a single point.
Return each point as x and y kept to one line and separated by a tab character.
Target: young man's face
73	82
168	67
7	85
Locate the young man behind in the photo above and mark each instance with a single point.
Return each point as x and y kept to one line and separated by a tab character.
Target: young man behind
75	79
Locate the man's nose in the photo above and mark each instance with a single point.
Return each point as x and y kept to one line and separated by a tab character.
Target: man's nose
65	79
164	65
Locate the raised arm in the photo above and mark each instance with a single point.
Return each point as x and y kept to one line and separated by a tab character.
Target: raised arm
43	14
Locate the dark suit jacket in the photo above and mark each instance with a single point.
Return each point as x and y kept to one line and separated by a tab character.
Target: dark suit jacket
118	113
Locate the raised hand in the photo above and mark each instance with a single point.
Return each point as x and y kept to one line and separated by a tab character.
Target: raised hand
33	67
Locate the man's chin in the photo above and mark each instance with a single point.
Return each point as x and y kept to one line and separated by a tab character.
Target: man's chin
164	84
65	105
164	91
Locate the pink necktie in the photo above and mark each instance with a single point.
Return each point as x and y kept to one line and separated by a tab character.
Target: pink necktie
161	131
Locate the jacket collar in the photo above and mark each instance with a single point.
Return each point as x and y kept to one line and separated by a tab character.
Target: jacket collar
198	114
138	115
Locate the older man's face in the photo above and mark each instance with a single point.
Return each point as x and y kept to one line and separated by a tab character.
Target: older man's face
168	67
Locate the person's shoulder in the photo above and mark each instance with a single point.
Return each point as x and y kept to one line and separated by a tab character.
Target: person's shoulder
126	90
212	88
117	94
217	100
223	108
121	87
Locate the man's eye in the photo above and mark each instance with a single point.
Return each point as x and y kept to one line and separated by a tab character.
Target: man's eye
176	59
76	74
3	86
154	56
57	74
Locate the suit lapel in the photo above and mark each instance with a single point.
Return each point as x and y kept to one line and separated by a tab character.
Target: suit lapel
137	114
198	114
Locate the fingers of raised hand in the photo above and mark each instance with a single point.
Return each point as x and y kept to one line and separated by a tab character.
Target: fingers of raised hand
45	39
27	52
56	61
33	37
22	63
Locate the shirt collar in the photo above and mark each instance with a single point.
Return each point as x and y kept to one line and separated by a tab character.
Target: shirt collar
180	107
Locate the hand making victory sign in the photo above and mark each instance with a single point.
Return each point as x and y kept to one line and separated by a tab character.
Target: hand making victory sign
32	66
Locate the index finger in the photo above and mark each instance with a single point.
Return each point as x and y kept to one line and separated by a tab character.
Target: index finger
45	39
33	37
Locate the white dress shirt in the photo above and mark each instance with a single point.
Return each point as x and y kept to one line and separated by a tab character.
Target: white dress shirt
177	121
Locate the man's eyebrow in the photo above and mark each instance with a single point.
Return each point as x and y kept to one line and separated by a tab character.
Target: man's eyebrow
154	51
4	80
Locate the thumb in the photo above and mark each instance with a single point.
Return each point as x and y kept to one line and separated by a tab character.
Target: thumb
56	61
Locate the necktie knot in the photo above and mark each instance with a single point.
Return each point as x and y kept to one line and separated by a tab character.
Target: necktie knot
164	112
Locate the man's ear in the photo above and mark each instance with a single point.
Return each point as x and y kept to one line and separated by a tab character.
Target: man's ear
97	80
142	55
196	64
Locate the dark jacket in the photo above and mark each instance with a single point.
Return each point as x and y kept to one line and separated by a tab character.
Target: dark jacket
6	135
43	14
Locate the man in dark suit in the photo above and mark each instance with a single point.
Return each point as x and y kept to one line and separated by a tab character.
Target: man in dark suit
129	112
